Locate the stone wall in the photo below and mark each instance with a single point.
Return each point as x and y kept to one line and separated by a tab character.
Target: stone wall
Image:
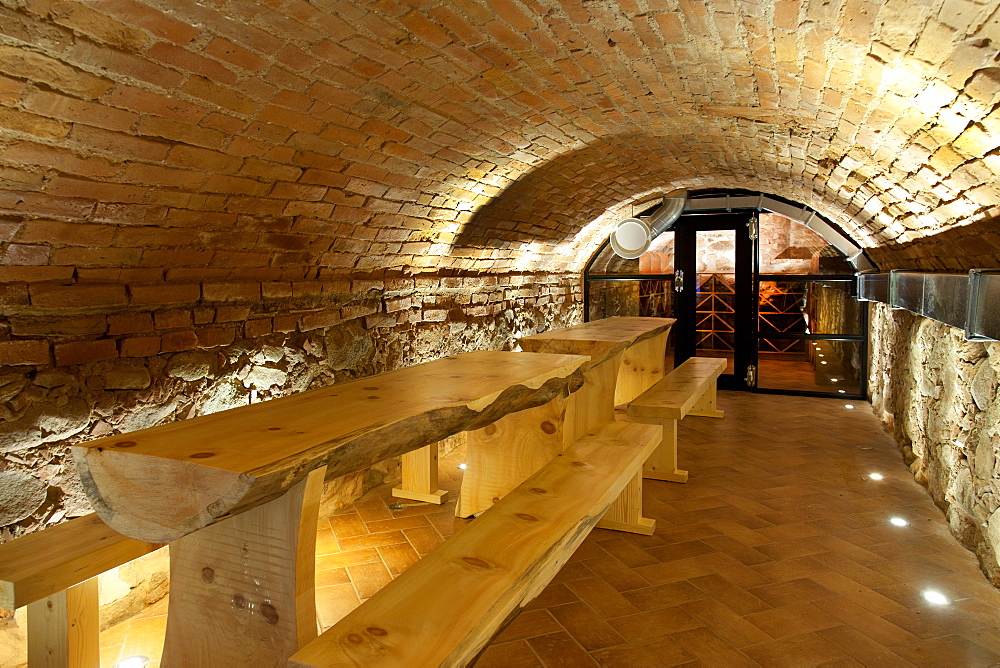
938	395
82	361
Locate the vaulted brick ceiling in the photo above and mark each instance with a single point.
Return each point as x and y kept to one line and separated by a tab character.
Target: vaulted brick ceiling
186	140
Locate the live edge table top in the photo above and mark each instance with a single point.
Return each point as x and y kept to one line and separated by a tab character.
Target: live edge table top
226	462
600	339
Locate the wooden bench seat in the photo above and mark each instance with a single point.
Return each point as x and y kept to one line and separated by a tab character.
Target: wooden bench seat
54	572
447	607
690	389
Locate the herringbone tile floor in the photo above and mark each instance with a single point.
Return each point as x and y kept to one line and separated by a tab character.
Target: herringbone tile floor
777	552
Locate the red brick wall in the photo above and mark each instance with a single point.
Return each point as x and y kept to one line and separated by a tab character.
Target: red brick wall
84	360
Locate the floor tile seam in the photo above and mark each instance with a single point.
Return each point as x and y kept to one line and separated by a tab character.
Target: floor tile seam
721	638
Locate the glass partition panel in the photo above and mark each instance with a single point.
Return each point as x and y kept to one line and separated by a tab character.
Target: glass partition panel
609	299
645	298
946	298
985	311
787	246
810	366
609	262
807	307
874	287
906	290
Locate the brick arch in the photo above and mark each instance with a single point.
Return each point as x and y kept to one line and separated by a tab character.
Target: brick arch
151	141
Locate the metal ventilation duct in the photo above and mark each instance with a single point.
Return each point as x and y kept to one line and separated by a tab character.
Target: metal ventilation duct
761	202
632	236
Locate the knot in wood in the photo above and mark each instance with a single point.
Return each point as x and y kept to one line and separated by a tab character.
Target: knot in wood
268	612
490	429
548	427
125	444
376	631
355	638
207	574
370	389
202	455
239	602
476	562
580	465
538	490
526	517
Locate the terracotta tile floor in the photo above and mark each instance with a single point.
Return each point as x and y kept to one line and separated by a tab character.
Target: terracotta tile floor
777	552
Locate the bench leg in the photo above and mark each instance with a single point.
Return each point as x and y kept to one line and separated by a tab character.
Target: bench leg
706	405
420	476
625	514
662	464
64	629
242	591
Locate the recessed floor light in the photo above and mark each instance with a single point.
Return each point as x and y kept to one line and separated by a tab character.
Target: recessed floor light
875	476
848	405
898	521
823	362
842	391
462	466
936	597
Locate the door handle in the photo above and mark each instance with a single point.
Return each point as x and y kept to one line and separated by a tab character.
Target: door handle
679	280
751	377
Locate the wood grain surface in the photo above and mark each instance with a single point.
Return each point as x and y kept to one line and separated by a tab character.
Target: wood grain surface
446	607
162	483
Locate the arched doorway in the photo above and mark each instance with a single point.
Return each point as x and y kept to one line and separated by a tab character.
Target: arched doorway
758	288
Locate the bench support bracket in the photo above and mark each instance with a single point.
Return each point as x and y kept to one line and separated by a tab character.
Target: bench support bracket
420	476
625	514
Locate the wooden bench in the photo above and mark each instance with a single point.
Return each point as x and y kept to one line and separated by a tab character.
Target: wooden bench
444	609
236	493
690	389
625	354
54	572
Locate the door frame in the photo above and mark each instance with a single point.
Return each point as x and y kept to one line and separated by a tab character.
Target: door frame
686	299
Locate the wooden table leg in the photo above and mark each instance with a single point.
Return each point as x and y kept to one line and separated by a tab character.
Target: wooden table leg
420	476
642	366
242	591
64	629
662	464
501	456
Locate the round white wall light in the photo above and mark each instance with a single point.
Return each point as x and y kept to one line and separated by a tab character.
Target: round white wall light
630	238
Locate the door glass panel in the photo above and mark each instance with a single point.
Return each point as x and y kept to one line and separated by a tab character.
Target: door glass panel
715	311
811	366
803	307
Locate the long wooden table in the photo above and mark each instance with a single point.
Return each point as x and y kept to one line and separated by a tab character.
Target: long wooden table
626	358
236	493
